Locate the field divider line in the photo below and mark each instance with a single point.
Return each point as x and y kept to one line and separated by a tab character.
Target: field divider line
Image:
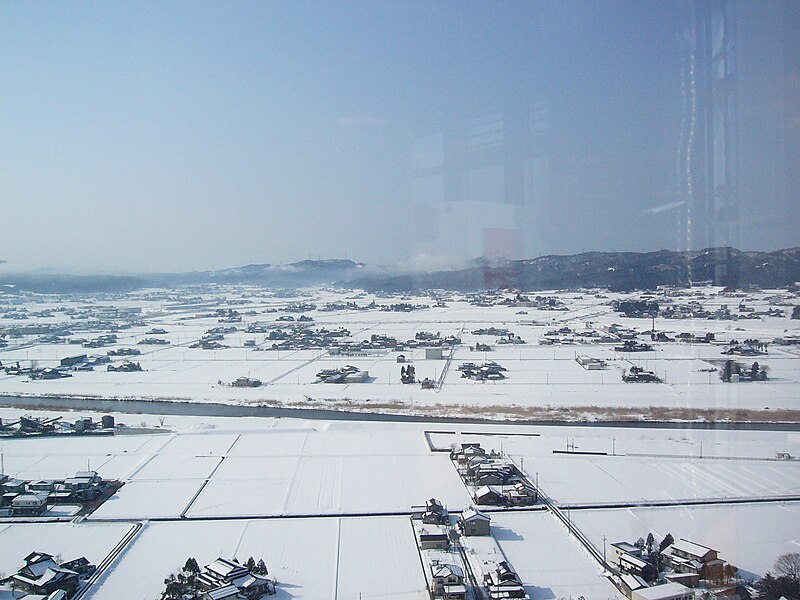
682	502
707	457
297	368
338	557
576	533
447	364
206	480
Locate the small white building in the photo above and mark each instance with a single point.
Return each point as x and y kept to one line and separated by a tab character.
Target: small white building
357	377
591	364
667	591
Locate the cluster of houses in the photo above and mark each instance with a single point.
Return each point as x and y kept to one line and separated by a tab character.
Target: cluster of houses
567	336
488	371
511	339
106	339
124	352
665	306
69	364
300	319
496	480
439	538
734	372
750	347
671	571
427	339
24	498
639	375
27	426
43	577
34	372
633	346
208	344
302	337
480	347
80	362
495	331
153	341
515	299
225	579
228	315
245	382
346	374
126	366
403	307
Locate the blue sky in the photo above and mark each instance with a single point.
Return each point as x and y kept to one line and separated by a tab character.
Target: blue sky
150	136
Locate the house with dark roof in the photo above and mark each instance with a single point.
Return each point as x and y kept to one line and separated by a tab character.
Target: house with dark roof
447	582
474	522
433	537
503	582
432	513
488	495
42	575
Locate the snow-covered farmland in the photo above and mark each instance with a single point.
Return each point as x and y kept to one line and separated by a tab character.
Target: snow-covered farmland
340	558
149	499
686	465
627	479
69	540
550	564
542	375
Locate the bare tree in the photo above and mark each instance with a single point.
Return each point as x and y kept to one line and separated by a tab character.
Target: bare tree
788	565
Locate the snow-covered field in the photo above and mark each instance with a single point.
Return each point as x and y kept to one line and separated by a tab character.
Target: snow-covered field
625	479
329	485
539	377
314	559
552	565
649	465
288	491
69	540
324	502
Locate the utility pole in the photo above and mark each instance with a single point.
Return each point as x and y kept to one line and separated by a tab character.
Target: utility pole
604	550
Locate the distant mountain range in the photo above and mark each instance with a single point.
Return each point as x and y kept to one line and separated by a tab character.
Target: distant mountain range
613	270
299	274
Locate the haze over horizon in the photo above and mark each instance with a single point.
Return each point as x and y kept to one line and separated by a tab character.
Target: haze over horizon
156	137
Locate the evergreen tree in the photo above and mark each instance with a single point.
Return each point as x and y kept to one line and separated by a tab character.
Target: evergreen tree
191	566
261	568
